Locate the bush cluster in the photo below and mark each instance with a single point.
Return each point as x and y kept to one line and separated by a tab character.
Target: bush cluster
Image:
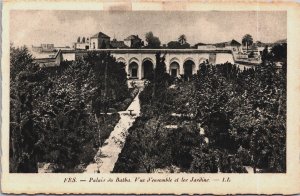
56	113
242	114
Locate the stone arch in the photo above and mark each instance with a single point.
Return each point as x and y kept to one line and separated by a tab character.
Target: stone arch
149	59
174	69
189	67
189	59
134	59
147	68
133	69
121	59
174	59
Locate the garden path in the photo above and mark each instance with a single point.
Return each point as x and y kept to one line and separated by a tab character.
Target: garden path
109	152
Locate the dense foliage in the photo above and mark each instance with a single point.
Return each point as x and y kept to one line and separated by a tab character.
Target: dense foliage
58	114
153	41
222	120
180	44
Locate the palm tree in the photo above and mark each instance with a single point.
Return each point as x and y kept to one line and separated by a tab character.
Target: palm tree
182	39
247	40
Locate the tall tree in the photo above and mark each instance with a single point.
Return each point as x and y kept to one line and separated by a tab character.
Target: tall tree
265	54
182	39
160	78
153	41
247	40
23	121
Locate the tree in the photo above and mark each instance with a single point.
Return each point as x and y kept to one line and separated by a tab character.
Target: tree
153	41
265	54
66	123
24	88
182	39
159	81
20	60
174	45
279	52
247	40
109	79
53	110
137	44
185	45
177	45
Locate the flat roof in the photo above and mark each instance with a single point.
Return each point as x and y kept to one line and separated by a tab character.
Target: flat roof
122	51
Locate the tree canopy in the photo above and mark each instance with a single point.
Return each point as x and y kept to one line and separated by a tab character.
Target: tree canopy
56	113
153	41
182	39
247	40
177	45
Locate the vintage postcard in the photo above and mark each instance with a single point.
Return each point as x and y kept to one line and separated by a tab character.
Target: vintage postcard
150	97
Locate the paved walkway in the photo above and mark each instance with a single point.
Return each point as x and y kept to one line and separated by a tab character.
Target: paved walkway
113	145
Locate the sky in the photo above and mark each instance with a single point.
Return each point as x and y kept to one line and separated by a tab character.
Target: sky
62	28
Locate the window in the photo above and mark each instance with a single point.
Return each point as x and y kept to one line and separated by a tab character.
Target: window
94	45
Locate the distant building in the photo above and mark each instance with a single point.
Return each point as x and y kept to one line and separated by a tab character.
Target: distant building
63	48
232	45
43	48
260	46
133	41
82	44
47	59
117	44
99	41
48	48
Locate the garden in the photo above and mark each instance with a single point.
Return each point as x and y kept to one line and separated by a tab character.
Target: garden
222	120
62	115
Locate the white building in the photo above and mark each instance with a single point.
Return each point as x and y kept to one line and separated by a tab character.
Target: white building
99	41
82	44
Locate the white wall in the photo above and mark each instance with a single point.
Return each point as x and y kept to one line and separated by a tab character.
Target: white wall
81	45
127	43
68	56
170	57
92	41
223	58
206	47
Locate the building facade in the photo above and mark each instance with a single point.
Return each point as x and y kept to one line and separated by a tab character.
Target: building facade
99	41
117	44
43	48
82	44
139	62
133	41
232	45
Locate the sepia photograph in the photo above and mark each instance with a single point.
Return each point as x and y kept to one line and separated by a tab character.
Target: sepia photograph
139	97
147	91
